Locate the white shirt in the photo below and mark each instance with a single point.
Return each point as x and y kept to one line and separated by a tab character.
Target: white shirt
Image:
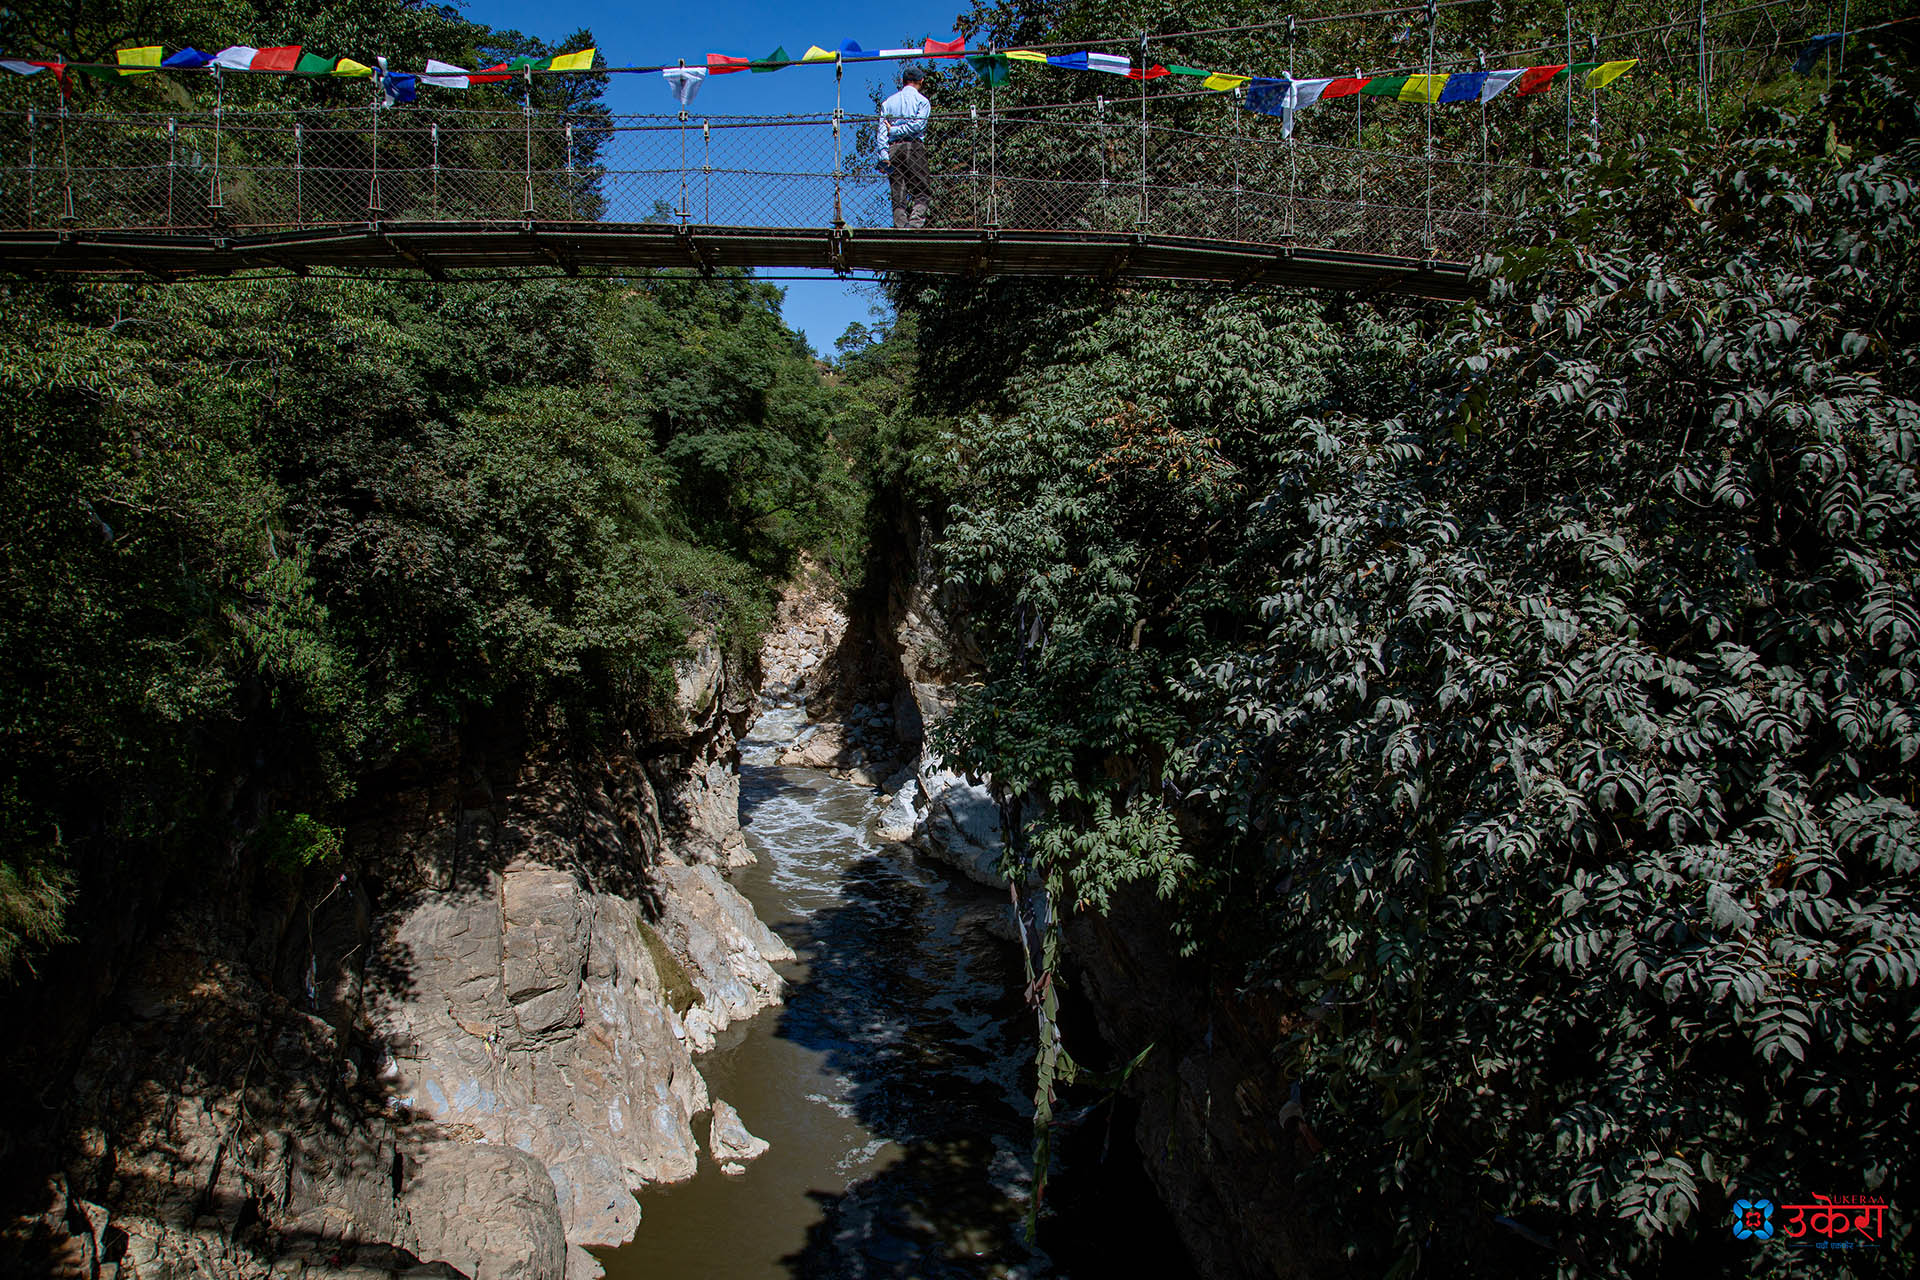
904	115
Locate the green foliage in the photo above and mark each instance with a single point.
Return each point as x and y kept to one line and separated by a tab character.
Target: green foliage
295	842
1543	725
280	532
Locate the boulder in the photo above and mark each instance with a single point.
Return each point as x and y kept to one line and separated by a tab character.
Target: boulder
962	827
729	1140
824	748
897	821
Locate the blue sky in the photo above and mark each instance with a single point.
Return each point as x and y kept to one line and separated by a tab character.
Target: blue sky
643	34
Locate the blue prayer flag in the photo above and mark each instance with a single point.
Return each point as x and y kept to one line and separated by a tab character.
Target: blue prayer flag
1463	86
1269	97
1803	64
187	60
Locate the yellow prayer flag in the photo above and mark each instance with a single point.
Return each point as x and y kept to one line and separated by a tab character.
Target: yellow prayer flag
581	61
348	67
1422	88
1607	72
145	58
815	53
1221	81
1026	55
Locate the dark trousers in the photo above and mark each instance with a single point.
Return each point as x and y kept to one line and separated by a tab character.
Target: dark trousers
912	185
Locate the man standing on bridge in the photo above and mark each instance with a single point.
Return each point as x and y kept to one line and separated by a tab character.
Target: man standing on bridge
903	136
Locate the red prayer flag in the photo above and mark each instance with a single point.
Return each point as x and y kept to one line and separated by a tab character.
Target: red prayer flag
1153	72
946	48
59	70
1537	79
283	58
720	64
1345	87
485	76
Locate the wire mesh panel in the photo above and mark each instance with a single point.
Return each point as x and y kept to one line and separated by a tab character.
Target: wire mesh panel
1097	167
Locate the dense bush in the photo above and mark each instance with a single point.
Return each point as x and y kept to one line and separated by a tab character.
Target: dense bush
1530	695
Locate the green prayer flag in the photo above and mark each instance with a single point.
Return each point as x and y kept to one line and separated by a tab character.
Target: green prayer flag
994	69
1577	70
525	61
1179	70
1384	86
772	62
312	64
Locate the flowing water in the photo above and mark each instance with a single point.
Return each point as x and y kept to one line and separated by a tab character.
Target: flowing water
893	1084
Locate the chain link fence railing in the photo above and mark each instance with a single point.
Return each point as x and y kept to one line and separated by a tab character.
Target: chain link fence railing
1098	167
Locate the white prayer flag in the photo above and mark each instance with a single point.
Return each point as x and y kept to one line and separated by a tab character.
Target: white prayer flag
444	75
685	82
1497	81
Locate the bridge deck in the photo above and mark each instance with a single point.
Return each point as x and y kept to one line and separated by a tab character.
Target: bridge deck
439	247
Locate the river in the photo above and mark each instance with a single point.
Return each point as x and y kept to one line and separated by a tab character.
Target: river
894	1084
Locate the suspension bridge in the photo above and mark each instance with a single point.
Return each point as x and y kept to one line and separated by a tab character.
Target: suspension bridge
1129	187
1088	190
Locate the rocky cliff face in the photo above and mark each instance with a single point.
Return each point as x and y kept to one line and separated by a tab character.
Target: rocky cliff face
457	1058
1219	1128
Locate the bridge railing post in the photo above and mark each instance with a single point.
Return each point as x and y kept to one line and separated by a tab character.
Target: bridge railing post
1569	144
1359	167
1293	156
299	177
993	153
173	163
433	132
373	172
527	107
1239	145
214	205
1593	55
572	207
839	217
1144	64
706	154
66	168
1427	93
973	159
33	166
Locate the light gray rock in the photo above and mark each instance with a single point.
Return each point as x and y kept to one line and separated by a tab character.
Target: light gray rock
823	748
898	819
961	826
729	1140
543	946
571	1051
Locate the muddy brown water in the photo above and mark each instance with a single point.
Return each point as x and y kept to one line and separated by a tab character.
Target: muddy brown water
894	1084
